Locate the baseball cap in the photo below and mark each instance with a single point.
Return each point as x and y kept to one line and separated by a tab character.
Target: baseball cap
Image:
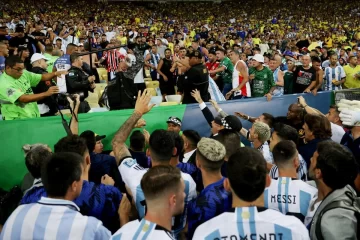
232	122
99	137
19	28
259	58
288	53
196	54
174	120
37	56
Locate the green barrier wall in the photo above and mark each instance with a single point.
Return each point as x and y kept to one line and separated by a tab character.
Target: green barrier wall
49	130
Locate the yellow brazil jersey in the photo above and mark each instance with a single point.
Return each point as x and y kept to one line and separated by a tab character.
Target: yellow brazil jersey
351	81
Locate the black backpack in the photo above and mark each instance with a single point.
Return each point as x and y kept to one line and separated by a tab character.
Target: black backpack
353	204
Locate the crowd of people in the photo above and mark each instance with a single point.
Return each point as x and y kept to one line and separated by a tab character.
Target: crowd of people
299	178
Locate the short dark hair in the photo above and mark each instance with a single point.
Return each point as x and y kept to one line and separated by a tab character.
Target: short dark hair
333	106
49	48
59	173
315	59
89	137
337	164
74	57
137	141
230	139
70	46
246	170
318	125
192	136
351	57
161	146
59	39
286	132
73	143
283	152
35	156
179	143
167	49
269	119
160	179
11	61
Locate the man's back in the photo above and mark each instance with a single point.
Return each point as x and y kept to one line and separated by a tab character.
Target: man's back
52	219
142	230
252	223
289	196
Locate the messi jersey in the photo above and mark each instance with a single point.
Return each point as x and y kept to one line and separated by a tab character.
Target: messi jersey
252	223
142	230
291	197
211	202
132	174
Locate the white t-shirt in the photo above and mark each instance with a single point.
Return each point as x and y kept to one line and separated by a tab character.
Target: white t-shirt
110	35
132	174
337	132
289	196
142	230
252	223
265	150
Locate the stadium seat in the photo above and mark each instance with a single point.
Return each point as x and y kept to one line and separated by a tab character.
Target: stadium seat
173	98
153	91
93	99
147	79
102	74
169	103
152	84
156	100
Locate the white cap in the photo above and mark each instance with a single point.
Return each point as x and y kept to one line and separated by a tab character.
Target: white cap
258	58
37	56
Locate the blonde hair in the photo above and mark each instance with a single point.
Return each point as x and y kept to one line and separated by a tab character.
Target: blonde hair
262	130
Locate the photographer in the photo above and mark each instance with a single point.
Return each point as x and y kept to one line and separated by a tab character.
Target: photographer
78	82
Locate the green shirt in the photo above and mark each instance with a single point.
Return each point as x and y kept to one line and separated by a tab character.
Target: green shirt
262	83
51	62
11	89
226	75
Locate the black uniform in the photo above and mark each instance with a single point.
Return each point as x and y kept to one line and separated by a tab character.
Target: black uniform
77	83
197	77
27	41
43	87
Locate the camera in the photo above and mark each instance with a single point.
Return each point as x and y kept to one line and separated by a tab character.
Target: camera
62	99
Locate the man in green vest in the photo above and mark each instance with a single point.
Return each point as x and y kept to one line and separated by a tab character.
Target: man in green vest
50	58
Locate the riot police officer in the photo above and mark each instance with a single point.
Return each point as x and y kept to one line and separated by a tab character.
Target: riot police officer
79	82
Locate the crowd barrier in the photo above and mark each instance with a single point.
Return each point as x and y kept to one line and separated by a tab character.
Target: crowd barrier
49	130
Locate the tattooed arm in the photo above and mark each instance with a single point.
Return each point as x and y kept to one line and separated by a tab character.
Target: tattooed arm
118	143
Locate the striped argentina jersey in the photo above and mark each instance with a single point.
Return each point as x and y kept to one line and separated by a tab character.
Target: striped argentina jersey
289	196
332	74
132	174
301	172
52	219
252	223
142	230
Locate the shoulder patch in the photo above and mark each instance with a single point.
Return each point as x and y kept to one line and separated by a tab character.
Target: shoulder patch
130	162
10	92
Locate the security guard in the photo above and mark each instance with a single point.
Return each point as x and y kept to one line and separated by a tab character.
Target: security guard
197	77
79	82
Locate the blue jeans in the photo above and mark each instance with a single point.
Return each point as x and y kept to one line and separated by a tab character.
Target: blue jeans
227	88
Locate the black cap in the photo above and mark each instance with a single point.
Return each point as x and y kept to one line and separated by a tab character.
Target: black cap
99	137
218	119
174	120
22	48
195	53
19	28
232	122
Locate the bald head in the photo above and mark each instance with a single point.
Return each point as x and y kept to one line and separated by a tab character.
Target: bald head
306	61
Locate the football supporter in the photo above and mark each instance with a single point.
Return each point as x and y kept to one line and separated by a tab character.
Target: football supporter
161	149
164	190
212	64
333	168
287	194
247	179
209	159
334	75
259	134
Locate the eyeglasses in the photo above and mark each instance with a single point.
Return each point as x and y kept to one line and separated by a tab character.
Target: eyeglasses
18	70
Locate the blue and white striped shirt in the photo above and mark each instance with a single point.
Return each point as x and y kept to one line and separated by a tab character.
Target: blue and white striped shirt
332	74
252	223
289	196
215	92
52	219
